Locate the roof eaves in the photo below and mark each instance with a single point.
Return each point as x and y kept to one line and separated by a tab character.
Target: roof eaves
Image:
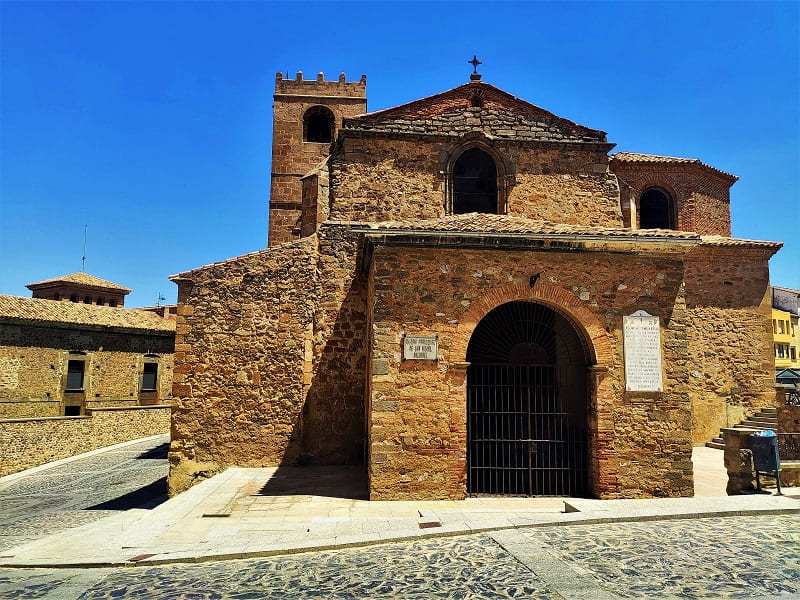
635	157
61	324
567	237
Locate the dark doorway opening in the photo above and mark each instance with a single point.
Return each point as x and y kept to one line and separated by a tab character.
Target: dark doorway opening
527	421
656	210
474	183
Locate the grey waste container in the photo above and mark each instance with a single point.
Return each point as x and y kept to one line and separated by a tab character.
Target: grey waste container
765	457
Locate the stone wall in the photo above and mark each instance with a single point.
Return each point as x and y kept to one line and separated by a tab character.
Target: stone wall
730	337
333	416
27	443
640	442
34	360
243	354
270	359
377	179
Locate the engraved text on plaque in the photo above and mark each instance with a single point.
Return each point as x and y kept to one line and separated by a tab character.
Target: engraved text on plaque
642	339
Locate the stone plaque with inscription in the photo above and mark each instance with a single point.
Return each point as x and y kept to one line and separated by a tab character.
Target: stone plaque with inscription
420	347
642	339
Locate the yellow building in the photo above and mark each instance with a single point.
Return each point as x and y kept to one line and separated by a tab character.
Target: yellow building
784	330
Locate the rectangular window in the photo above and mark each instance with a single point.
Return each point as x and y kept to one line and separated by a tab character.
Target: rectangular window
75	375
774	326
780	351
793	353
149	377
780	326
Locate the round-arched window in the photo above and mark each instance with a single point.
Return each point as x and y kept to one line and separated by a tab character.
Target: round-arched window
656	210
318	125
474	183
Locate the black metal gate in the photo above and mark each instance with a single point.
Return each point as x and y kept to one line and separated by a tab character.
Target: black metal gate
521	438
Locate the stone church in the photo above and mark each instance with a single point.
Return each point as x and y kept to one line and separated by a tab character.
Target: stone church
468	294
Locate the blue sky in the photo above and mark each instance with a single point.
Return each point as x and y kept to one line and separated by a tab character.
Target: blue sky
151	122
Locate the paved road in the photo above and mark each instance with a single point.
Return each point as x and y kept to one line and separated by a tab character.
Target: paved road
729	557
83	490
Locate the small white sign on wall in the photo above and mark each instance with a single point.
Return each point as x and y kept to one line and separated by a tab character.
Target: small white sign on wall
420	347
642	345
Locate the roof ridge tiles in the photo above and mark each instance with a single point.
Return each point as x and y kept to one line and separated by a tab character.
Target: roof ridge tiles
633	157
80	278
40	310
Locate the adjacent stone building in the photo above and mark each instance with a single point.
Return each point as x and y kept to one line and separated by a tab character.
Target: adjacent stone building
72	348
468	294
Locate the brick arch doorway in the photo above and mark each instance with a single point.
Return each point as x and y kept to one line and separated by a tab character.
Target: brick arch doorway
527	404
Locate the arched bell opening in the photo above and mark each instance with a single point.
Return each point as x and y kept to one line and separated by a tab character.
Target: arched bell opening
527	404
318	125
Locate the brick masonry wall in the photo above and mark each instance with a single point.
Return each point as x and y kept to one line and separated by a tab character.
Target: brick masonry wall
32	442
641	442
375	179
730	336
702	198
33	363
243	357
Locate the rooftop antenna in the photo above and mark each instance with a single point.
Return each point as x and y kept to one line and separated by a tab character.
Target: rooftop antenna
83	258
160	299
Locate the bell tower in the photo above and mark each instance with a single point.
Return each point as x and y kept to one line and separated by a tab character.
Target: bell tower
307	115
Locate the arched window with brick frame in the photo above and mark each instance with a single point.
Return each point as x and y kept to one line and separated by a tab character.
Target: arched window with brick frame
656	209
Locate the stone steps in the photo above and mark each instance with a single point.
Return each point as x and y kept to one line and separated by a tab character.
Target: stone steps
767	418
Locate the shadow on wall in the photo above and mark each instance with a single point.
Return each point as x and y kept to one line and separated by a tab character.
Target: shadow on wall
332	422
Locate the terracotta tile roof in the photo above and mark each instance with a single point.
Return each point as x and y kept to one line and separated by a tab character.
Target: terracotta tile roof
505	224
81	279
40	311
718	240
635	157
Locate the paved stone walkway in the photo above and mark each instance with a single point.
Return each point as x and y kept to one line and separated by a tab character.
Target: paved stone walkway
82	490
727	557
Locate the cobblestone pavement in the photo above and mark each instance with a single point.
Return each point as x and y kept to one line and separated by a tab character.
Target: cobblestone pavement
730	557
83	490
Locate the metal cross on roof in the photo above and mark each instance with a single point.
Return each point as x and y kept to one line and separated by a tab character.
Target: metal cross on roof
474	62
